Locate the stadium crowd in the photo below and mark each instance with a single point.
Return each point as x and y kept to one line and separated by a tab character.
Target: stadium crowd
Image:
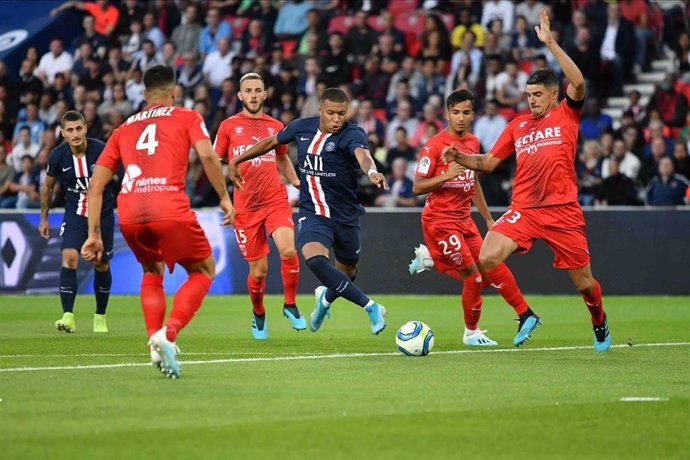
397	59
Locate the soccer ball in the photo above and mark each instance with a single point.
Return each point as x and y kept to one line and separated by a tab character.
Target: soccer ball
414	339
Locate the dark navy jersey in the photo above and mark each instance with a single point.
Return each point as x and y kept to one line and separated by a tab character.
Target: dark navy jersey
74	174
328	168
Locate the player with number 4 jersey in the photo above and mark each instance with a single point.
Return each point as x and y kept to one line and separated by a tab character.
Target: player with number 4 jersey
544	190
154	212
452	239
262	206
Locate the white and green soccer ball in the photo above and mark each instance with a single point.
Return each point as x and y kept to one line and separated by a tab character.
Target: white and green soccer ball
415	339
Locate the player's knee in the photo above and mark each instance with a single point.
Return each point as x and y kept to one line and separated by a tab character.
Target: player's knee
288	253
101	266
259	273
70	260
585	285
488	261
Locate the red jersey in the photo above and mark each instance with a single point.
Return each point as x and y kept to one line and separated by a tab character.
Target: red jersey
262	186
452	200
545	151
153	145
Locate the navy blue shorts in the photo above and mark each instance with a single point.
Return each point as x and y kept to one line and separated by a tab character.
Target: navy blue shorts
344	239
75	229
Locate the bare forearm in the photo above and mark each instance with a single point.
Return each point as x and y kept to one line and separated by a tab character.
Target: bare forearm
214	172
286	168
46	200
95	203
475	162
480	202
258	149
423	186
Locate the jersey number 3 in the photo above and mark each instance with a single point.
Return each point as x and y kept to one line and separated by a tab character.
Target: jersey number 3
147	140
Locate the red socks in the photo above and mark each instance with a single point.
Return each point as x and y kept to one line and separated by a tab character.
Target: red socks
503	280
472	300
289	270
152	302
595	304
186	303
256	293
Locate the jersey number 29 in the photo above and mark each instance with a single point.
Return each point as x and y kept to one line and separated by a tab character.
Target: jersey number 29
147	140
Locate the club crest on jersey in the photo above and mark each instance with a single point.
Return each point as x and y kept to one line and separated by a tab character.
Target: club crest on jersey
271	131
239	130
330	147
522	125
424	165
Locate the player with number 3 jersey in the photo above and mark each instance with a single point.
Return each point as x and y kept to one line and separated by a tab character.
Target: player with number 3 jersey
452	239
544	190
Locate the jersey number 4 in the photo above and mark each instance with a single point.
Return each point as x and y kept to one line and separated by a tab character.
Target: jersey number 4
147	140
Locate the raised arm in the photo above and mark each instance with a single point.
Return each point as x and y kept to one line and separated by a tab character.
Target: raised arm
366	163
479	201
214	172
478	162
67	5
46	199
576	85
258	149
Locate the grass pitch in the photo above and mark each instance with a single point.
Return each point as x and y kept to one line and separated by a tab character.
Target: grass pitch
343	393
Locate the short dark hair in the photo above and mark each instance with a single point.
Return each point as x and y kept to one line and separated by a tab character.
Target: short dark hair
159	77
458	96
334	95
71	115
546	77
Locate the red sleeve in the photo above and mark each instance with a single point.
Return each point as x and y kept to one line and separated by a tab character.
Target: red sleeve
505	145
91	8
282	148
110	157
196	128
428	157
112	15
222	142
572	109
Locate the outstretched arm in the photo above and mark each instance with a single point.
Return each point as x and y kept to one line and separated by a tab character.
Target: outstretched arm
366	163
480	162
46	199
576	85
66	5
258	149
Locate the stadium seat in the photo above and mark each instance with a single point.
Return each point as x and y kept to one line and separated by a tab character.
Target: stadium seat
288	47
381	115
341	24
526	66
414	44
238	25
412	22
376	23
449	21
401	6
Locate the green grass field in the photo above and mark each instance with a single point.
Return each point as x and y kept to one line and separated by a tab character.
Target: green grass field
342	392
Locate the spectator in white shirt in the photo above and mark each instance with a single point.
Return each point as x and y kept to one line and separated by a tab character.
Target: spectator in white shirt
22	148
530	10
499	9
628	163
402	118
57	60
134	88
489	126
217	64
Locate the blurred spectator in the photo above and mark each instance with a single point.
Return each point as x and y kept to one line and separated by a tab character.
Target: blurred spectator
510	87
594	122
118	65
617	189
626	162
24	146
411	75
94	125
306	82
499	9
130	11
388	20
36	126
432	81
523	40
147	57
403	117
26	185
489	126
636	12
167	16
96	40
47	111
682	50
228	104
367	121
529	9
650	164
618	48
316	29
606	141
497	42
310	103
336	67
134	88
84	52
436	42
8	198
588	170
118	104
215	30
57	60
256	41
105	15
197	185
264	11
578	21
588	61
133	41
467	23
634	106
429	117
667	188
370	6
360	38
466	63
402	147
292	19
186	35
681	160
400	193
189	76
152	31
385	50
28	82
168	55
671	104
375	82
217	64
657	130
6	122
596	12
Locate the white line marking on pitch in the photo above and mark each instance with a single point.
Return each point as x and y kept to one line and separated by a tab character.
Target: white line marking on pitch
642	399
330	356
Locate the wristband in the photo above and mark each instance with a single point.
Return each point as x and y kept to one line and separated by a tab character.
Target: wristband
372	170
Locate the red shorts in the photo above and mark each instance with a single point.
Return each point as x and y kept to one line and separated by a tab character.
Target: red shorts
562	227
454	246
251	229
181	240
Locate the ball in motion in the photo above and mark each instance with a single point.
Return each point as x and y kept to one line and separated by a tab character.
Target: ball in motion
414	339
